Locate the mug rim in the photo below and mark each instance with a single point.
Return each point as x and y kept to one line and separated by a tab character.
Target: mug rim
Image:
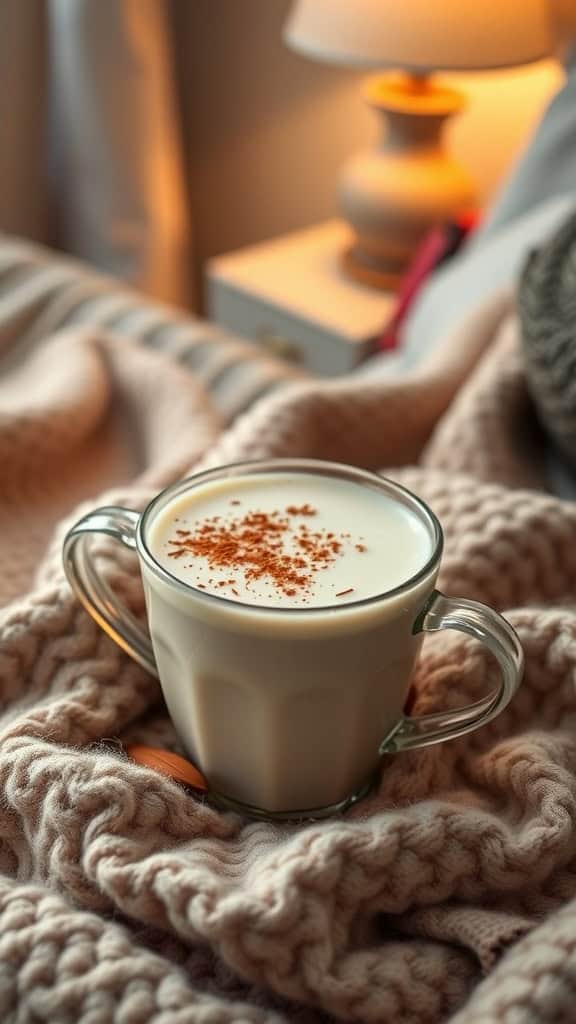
302	465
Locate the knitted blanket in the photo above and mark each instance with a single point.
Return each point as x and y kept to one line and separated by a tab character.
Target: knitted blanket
450	893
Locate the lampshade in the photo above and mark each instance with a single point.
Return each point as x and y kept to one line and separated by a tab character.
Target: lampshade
421	35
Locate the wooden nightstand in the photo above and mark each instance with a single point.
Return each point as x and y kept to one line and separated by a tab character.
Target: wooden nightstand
291	295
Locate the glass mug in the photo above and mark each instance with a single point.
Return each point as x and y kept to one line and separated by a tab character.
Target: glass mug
288	711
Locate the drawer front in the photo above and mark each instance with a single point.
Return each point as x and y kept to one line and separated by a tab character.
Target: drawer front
283	335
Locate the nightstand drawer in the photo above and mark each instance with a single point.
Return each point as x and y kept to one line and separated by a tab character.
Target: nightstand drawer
291	296
282	334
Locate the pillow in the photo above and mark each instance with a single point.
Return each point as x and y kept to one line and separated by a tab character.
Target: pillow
547	310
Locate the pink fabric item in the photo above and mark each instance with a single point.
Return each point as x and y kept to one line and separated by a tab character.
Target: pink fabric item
450	893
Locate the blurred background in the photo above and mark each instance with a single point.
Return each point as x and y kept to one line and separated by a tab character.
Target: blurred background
146	136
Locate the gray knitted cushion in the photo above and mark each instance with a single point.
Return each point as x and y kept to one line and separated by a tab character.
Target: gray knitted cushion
547	309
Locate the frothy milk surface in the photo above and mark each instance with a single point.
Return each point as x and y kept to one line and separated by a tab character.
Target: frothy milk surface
292	540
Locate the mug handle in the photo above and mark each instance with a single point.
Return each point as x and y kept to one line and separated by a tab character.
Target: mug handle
500	638
94	593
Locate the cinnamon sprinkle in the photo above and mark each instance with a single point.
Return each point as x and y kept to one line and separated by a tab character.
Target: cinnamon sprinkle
262	545
302	510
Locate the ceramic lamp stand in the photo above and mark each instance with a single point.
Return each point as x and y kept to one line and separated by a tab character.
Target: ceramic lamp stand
393	195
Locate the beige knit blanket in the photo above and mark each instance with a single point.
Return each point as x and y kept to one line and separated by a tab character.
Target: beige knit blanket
450	894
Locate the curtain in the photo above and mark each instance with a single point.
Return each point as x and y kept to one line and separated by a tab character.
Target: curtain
90	150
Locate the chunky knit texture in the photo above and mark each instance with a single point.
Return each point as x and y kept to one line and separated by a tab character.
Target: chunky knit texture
449	894
547	309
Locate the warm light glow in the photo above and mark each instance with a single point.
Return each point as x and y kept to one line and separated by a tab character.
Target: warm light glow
503	110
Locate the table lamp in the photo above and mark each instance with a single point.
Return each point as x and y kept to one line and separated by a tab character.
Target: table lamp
393	196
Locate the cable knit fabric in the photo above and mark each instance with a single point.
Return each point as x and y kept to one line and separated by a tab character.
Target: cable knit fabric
447	895
547	308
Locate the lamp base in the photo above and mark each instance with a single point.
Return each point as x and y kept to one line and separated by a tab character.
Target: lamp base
392	197
374	276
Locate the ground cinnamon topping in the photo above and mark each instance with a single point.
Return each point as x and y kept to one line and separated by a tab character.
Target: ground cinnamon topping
302	510
263	545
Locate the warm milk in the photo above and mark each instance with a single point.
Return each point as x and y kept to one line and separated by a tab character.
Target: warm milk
380	543
283	701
